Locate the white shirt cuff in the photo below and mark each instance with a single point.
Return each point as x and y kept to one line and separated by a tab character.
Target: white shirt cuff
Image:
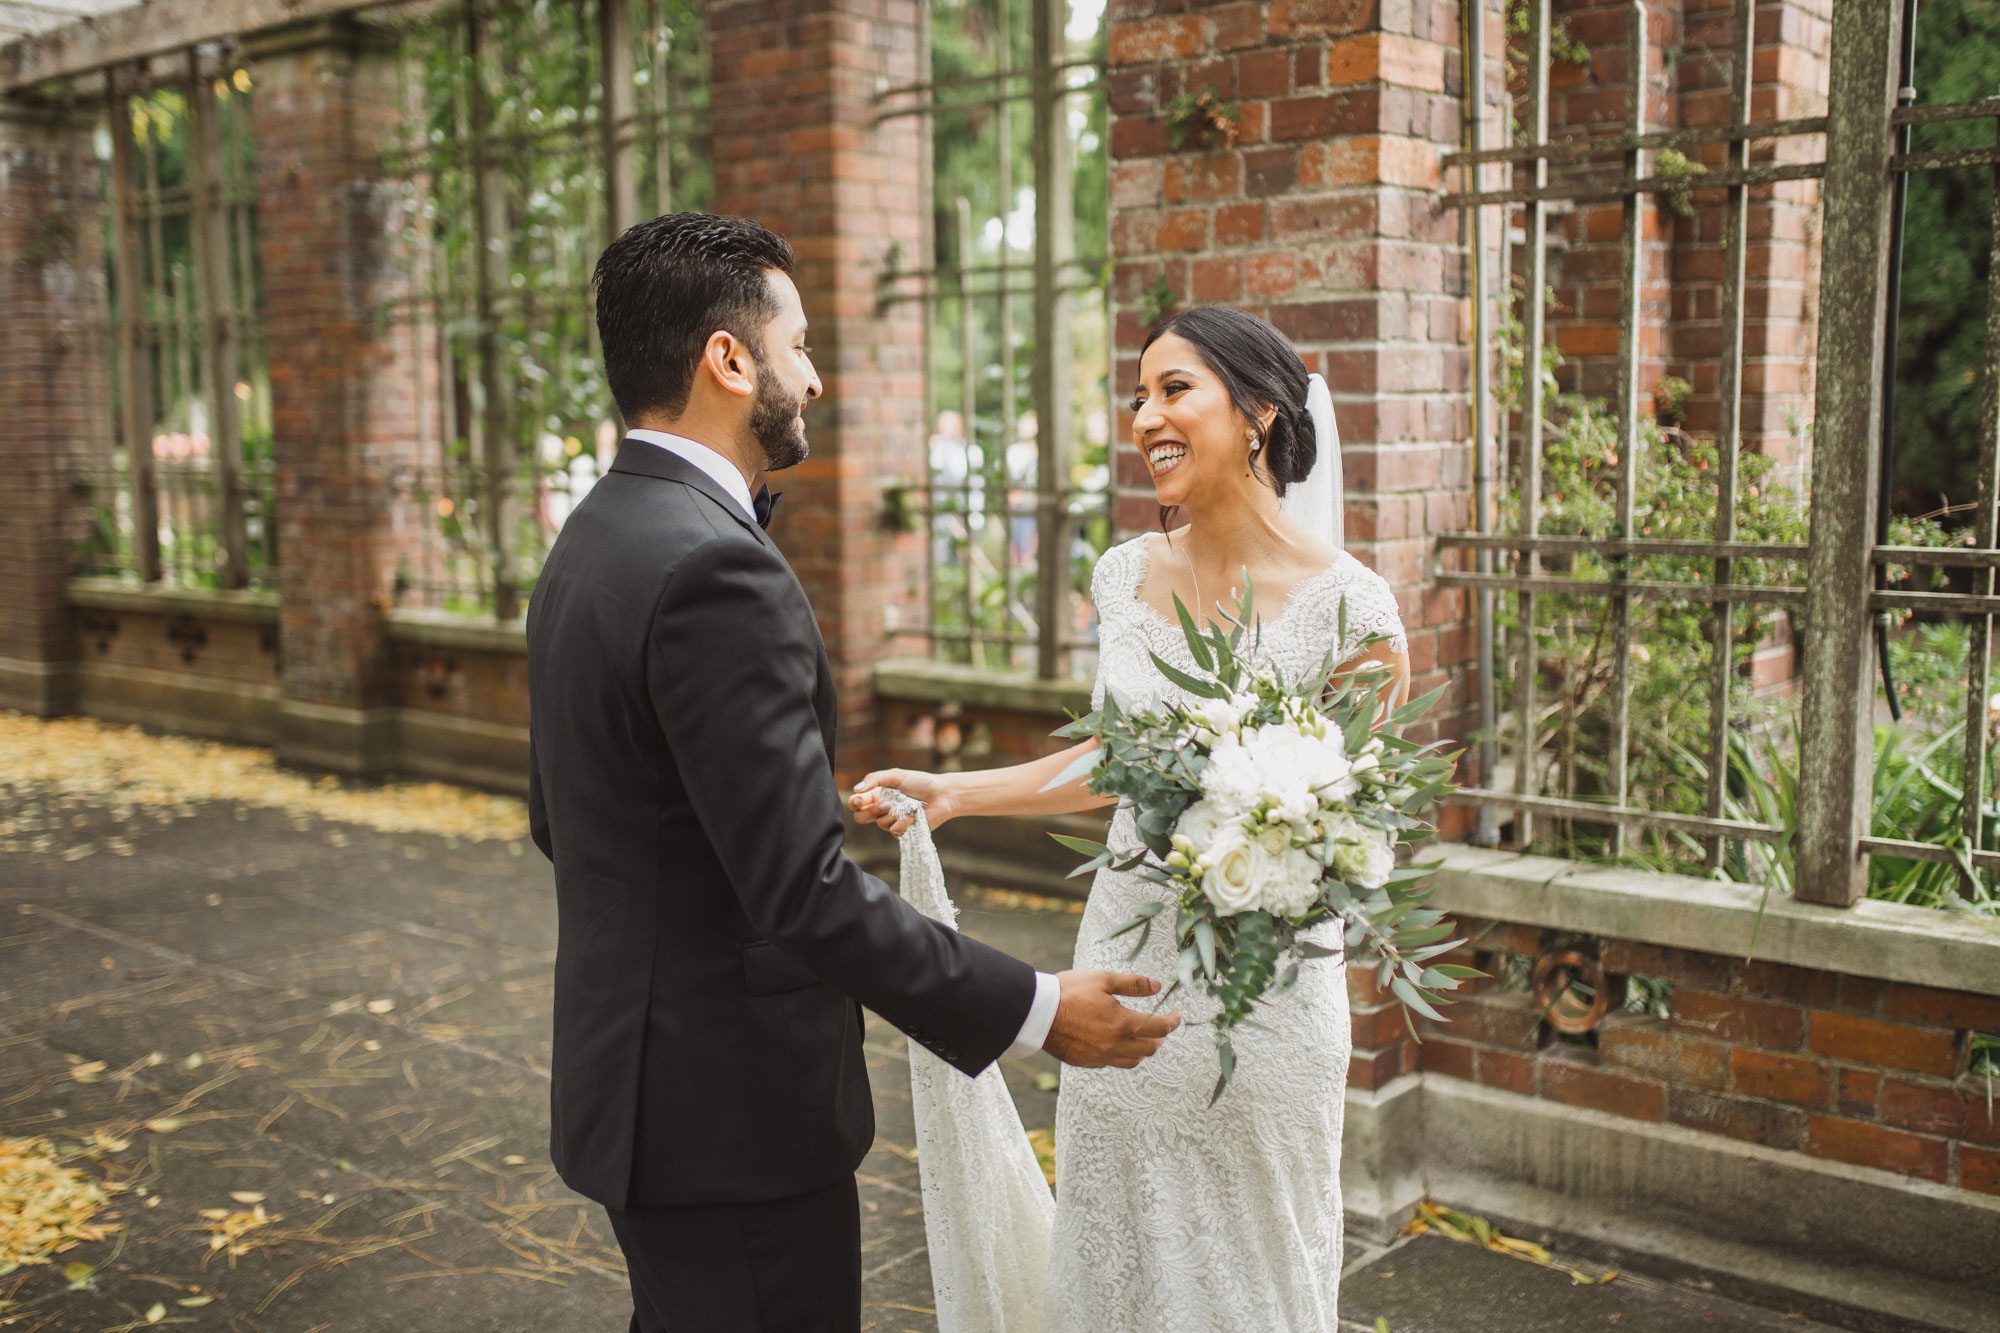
1041	1016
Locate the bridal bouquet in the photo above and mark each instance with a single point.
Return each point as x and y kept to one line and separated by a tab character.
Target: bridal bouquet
1267	807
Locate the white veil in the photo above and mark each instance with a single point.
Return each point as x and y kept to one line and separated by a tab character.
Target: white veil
1318	502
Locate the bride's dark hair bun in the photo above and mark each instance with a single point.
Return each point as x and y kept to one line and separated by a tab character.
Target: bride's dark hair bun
1260	369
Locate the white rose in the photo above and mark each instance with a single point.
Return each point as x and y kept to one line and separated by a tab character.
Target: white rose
1284	761
1360	854
1198	826
1333	777
1234	879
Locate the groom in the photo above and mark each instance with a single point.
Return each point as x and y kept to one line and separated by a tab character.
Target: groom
715	945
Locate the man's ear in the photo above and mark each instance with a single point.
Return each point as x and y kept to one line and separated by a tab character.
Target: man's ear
728	361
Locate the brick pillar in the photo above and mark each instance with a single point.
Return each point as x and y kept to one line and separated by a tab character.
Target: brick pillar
792	112
346	378
1323	218
52	391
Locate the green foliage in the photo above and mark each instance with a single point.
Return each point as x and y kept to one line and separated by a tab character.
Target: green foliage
1673	162
1947	248
1204	117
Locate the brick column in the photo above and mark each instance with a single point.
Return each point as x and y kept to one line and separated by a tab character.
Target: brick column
52	391
792	112
1323	218
346	379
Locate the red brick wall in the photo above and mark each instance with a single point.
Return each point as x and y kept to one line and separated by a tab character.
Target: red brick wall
1841	1067
347	381
792	114
1323	218
52	385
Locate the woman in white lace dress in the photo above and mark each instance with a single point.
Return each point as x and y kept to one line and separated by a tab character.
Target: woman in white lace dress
1173	1216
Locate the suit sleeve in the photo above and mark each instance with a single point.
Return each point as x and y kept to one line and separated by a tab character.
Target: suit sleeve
732	664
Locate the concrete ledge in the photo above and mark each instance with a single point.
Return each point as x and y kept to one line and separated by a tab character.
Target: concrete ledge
1888	941
1842	1235
1382	1158
251	606
450	748
42	689
359	742
441	629
178	701
943	682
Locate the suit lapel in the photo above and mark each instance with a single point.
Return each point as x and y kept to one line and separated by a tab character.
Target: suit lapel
641	458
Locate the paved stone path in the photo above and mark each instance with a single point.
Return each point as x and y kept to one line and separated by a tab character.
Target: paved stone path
348	1029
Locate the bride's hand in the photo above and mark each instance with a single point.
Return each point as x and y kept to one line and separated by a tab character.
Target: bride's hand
870	806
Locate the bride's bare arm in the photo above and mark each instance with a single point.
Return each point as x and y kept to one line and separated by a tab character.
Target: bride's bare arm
1378	656
1015	790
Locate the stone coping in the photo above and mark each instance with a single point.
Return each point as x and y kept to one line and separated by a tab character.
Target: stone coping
443	629
925	681
1889	941
254	606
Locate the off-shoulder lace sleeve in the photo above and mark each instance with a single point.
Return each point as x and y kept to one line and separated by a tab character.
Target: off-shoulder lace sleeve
1370	609
1114	588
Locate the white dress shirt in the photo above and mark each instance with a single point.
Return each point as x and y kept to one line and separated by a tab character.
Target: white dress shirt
1048	992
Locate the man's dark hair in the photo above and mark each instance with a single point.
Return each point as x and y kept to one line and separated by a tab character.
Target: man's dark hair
665	287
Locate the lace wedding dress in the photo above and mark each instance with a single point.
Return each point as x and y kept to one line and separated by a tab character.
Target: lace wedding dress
1172	1216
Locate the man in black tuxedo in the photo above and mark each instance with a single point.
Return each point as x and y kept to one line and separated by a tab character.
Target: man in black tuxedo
715	945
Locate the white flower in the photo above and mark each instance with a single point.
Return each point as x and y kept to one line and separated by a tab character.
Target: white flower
1195	831
1220	717
1293	887
1230	779
1359	854
1233	881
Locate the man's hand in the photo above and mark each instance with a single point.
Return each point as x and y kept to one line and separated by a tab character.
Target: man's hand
1092	1029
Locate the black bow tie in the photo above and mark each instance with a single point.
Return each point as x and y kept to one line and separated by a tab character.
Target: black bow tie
765	505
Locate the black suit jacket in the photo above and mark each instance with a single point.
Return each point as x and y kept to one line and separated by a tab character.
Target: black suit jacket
713	938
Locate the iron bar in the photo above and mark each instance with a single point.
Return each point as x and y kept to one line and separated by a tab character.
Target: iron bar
1965	603
1598	188
208	229
1984	109
1979	660
1728	434
1837	716
496	444
1578	149
617	67
969	400
978	81
1642	589
1534	316
1486	831
1925	851
1055	240
1940	557
135	352
1632	273
1632	546
1625	816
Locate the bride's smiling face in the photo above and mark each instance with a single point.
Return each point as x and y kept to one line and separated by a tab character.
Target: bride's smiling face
1193	439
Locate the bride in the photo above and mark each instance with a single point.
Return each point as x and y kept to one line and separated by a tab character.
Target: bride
1172	1214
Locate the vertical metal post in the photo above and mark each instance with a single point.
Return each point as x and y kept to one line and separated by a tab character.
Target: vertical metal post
1632	272
1729	426
1979	661
1836	721
135	356
621	147
1533	321
208	228
969	397
662	97
1003	125
497	454
1486	829
930	286
1055	243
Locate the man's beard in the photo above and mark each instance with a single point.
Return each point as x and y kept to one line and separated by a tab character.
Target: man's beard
777	425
